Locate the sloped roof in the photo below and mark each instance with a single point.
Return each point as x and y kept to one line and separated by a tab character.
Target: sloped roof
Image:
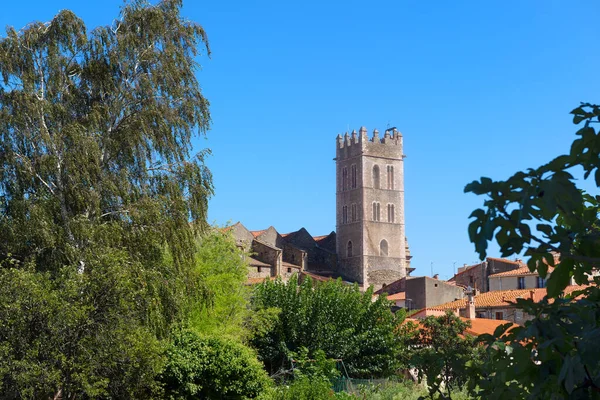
524	270
397	296
479	326
258	233
256	263
289	265
500	298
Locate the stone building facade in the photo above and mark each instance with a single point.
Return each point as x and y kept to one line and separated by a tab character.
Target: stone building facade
477	276
371	242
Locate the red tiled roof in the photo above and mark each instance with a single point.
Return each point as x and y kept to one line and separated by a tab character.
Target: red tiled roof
257	233
256	281
480	326
524	270
397	296
317	238
500	298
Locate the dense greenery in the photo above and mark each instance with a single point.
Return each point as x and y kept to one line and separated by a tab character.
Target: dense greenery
439	350
542	212
329	316
97	188
212	368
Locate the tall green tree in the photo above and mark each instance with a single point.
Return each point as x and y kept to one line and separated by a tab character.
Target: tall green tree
329	316
95	132
100	200
542	212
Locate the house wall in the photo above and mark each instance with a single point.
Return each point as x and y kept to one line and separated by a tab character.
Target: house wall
423	292
512	282
269	255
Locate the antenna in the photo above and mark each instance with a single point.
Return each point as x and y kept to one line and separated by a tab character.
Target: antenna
432	269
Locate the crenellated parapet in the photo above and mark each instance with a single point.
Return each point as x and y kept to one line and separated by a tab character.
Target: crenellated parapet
391	137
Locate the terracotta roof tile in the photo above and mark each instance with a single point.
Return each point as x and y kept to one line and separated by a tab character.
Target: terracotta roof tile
500	298
397	296
480	326
317	238
524	270
257	233
256	281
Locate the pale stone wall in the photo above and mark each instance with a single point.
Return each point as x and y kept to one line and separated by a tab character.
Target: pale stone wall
356	152
265	272
269	255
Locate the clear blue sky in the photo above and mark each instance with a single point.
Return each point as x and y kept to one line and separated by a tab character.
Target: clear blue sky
477	88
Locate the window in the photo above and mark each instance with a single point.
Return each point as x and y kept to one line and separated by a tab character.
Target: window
376	176
289	270
376	211
259	269
354	213
353	176
349	249
344	214
499	315
521	282
390	177
541	282
391	212
344	178
383	248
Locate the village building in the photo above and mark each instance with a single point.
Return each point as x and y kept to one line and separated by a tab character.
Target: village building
477	276
369	246
499	304
417	292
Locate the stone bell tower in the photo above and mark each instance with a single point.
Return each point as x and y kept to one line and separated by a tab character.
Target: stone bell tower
371	242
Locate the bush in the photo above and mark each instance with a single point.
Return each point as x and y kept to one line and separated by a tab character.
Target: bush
200	367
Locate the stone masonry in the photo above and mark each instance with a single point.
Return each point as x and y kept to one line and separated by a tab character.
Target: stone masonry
371	242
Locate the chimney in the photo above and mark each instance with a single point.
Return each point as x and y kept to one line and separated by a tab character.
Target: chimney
532	295
470	311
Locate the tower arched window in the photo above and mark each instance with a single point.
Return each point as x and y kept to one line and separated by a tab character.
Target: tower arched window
344	178
376	177
354	212
390	177
391	213
383	248
345	214
349	249
376	211
353	170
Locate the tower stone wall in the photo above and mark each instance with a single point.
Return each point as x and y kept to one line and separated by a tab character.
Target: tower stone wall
371	241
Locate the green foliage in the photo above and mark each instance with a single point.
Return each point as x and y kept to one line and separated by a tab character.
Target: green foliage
312	378
81	337
97	190
211	368
565	217
556	354
222	268
440	352
329	316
